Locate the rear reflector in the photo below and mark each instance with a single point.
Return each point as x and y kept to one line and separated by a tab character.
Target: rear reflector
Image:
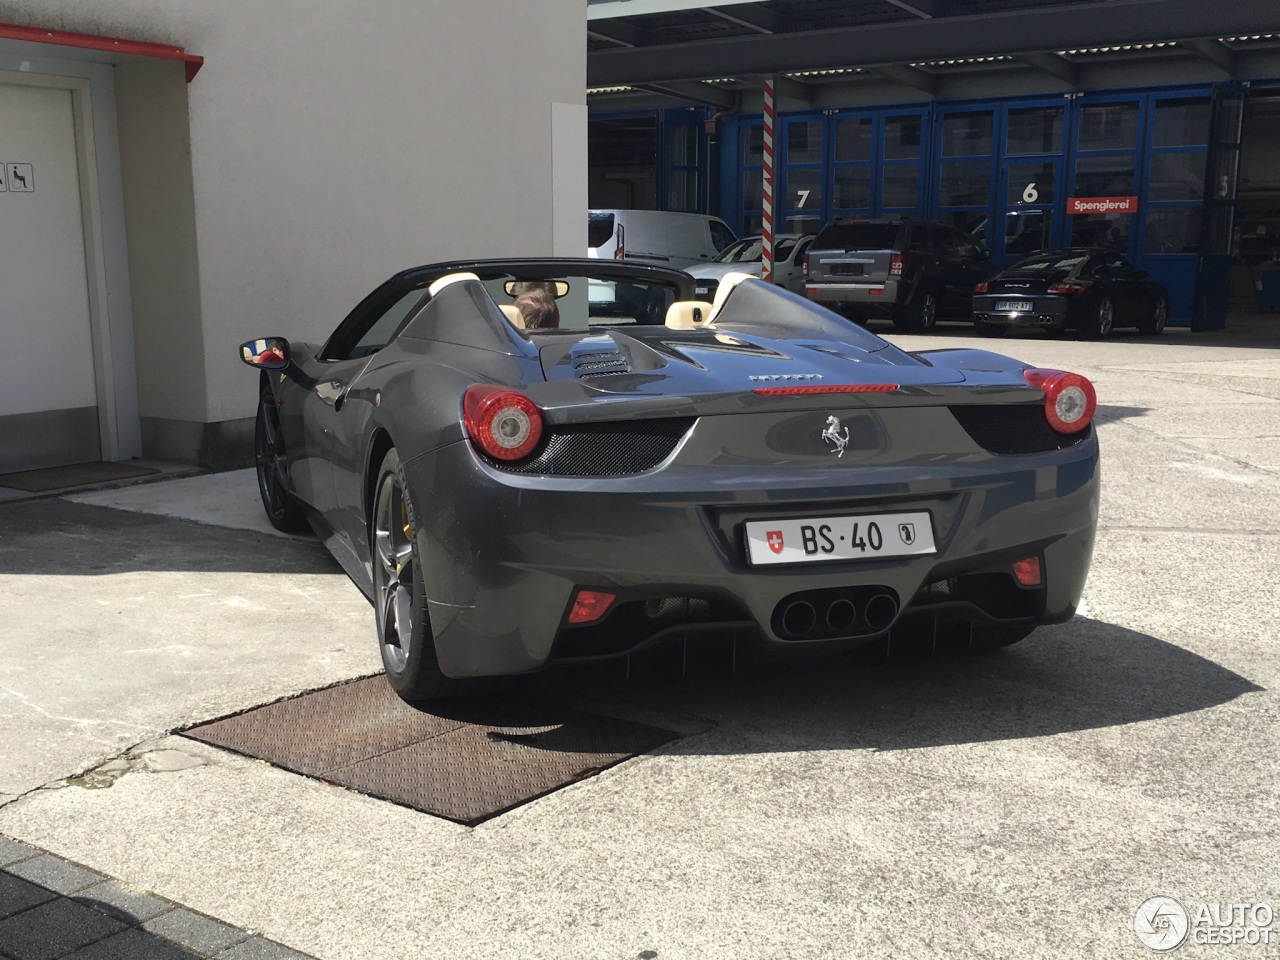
825	388
590	605
876	291
1027	572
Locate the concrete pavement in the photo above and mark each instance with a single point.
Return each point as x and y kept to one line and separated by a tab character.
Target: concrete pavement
1018	805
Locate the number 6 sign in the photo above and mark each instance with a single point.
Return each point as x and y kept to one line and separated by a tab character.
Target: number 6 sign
1030	194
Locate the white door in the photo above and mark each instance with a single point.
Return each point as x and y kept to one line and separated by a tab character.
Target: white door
48	392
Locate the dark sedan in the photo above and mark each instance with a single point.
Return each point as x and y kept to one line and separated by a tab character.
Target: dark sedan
1091	291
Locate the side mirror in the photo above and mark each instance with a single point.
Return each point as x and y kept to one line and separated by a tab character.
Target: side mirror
266	353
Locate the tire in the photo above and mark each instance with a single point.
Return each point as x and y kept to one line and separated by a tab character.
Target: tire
988	637
1159	317
272	467
922	311
990	329
1102	320
399	596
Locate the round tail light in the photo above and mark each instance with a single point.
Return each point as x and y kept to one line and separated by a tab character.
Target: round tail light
1069	399
502	422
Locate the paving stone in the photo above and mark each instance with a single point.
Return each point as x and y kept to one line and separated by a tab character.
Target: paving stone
53	930
17	895
54	873
133	945
124	903
11	851
194	931
259	949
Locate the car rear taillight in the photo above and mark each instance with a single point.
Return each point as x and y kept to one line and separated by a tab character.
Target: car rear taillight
896	264
981	288
806	264
502	422
1067	289
1069	399
620	250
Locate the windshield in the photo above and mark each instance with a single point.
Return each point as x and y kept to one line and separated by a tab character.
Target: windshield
1055	262
751	250
744	251
861	235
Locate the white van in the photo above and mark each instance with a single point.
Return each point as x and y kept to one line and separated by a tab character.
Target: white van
663	237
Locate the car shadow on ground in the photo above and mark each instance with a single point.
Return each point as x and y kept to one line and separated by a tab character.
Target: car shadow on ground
1111	413
1083	675
51	536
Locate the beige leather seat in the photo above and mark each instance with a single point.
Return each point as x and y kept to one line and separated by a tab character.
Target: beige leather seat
688	314
513	315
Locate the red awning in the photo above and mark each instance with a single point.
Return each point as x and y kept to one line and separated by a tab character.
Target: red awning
87	41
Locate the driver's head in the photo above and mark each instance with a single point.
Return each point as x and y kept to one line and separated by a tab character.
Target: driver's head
538	307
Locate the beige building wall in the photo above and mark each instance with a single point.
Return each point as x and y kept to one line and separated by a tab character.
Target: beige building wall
324	146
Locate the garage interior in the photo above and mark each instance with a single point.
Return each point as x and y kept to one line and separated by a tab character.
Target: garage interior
978	112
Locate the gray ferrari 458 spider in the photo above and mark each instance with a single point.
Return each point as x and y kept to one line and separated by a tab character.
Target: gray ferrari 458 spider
657	467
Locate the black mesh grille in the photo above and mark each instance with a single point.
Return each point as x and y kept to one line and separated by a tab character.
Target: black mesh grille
588	365
1019	428
612	449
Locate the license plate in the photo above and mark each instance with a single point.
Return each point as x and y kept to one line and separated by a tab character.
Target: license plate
702	291
1014	306
863	537
846	270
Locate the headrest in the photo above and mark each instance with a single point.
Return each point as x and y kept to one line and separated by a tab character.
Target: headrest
727	283
447	279
513	315
688	314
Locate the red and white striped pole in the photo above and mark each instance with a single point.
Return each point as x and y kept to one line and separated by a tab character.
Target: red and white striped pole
766	203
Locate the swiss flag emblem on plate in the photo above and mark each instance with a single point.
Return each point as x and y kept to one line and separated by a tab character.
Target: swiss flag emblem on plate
774	538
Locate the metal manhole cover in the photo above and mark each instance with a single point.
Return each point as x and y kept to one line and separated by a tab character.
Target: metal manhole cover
468	766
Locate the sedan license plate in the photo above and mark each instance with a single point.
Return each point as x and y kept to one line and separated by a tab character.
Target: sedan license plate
1014	306
863	537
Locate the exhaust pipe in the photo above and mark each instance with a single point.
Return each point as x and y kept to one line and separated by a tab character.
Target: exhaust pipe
881	611
799	618
841	616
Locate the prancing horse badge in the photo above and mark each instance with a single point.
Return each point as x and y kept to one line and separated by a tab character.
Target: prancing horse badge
835	435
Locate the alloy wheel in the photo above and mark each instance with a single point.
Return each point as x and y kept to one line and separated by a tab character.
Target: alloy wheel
928	310
1161	316
1105	317
394	573
269	459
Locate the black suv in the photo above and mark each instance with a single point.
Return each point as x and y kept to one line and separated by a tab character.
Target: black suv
912	270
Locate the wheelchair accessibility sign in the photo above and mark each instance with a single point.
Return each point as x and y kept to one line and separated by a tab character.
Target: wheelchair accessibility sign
17	178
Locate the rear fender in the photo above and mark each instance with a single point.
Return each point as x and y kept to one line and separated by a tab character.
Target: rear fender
972	361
